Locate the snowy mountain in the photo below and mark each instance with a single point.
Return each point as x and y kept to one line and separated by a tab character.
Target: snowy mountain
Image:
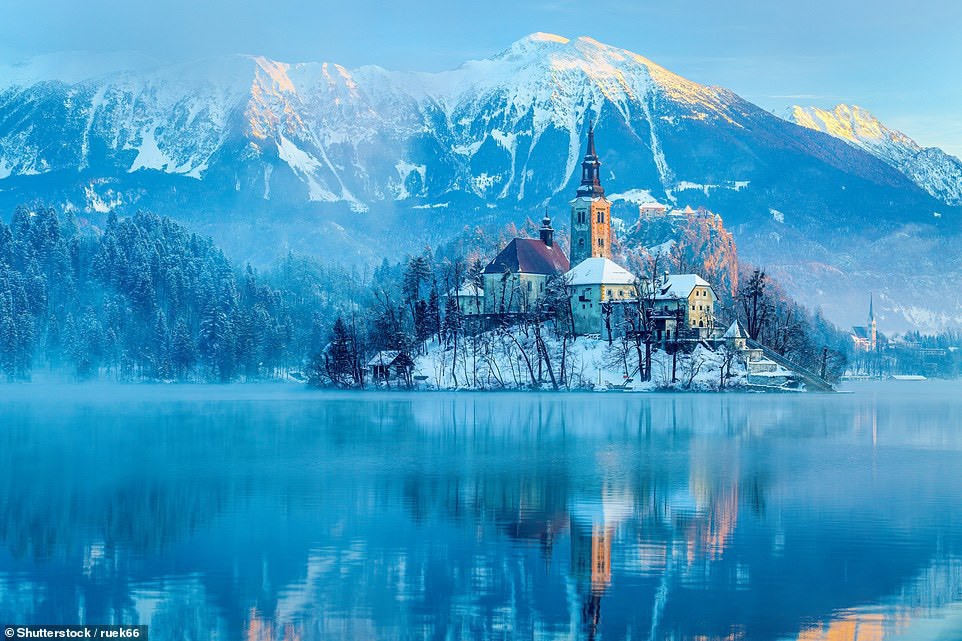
509	128
361	163
930	168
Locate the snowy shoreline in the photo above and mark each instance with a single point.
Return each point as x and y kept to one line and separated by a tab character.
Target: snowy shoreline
591	365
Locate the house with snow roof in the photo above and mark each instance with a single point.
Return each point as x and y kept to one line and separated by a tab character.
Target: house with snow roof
389	365
470	298
595	283
684	307
519	274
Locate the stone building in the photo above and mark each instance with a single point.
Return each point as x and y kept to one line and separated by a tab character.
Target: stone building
594	283
684	307
518	275
470	299
651	210
590	210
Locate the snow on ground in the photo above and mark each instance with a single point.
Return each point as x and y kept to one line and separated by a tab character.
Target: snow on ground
497	360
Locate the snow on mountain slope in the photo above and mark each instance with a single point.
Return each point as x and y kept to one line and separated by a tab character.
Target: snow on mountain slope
176	119
932	169
355	163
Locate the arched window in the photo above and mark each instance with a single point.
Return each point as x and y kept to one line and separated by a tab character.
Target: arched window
581	243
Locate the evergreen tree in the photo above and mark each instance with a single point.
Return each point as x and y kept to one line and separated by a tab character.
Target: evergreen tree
183	355
338	359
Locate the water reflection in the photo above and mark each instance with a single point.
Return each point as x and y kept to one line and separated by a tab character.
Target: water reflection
320	516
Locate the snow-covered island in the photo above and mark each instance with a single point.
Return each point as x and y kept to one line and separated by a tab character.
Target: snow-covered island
537	317
495	360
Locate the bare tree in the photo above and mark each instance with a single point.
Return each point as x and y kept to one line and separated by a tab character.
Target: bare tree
728	353
692	367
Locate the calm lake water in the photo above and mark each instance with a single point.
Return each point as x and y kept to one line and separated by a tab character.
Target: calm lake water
272	512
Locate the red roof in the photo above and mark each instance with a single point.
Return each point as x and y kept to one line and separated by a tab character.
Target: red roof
529	256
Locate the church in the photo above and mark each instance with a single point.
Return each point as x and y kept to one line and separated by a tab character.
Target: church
866	338
519	274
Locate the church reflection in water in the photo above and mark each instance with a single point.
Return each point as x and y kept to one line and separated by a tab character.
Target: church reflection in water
393	517
591	568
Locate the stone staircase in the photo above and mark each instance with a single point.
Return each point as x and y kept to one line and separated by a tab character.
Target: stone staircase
812	380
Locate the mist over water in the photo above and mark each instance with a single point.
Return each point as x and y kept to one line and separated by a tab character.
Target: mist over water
273	512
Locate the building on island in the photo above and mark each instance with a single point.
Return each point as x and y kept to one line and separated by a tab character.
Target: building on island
594	283
590	210
735	336
651	210
684	306
600	290
470	298
518	275
654	210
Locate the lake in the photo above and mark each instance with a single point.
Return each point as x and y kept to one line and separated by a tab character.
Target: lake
273	512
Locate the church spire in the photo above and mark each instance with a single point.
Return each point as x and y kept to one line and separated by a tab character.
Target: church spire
871	311
591	170
590	210
546	232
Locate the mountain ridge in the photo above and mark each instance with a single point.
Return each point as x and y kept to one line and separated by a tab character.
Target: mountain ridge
932	169
359	163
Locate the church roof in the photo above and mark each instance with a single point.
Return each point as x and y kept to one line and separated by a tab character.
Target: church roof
680	286
529	256
860	331
599	271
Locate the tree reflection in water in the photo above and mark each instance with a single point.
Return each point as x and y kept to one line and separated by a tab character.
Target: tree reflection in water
331	516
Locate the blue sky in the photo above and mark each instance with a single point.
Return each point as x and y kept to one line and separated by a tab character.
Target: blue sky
899	60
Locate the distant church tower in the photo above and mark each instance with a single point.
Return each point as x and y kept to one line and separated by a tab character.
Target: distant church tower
873	335
590	210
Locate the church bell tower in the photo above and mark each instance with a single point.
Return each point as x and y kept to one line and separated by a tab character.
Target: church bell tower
590	210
